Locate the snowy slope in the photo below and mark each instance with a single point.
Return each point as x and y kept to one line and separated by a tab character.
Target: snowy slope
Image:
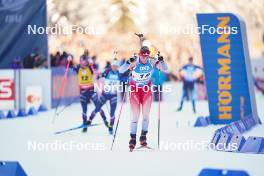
176	127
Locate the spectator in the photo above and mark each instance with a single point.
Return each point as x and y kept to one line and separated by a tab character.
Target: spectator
17	63
39	62
63	59
28	61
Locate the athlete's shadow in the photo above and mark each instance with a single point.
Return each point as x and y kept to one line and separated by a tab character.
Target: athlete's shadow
75	128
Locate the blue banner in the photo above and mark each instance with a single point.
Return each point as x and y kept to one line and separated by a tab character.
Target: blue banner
227	68
15	17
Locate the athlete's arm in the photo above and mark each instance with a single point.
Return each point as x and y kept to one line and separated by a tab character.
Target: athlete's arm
73	67
197	67
123	68
163	66
103	75
160	63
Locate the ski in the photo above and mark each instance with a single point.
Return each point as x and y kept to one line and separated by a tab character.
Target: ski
144	147
141	147
75	128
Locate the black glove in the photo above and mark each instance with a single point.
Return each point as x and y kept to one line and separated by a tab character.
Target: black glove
160	58
131	59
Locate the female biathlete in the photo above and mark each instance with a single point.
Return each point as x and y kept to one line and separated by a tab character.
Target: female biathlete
141	68
85	75
111	83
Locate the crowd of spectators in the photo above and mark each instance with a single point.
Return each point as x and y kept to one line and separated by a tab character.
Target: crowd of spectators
34	60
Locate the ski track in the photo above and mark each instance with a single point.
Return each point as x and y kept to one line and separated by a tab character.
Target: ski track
16	134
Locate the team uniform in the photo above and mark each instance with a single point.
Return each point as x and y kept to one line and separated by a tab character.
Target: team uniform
111	86
87	93
189	78
141	95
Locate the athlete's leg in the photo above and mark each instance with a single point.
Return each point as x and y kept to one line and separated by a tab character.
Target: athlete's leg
98	102
83	101
184	95
102	100
193	97
146	105
113	104
135	107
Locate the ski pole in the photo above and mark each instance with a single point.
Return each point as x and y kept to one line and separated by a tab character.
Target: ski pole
66	106
119	116
61	89
159	95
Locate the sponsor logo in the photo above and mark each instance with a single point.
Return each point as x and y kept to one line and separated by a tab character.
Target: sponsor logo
33	99
144	68
6	89
224	72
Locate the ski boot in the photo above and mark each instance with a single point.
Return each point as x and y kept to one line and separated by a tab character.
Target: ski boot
132	142
143	139
84	130
110	129
179	109
106	123
85	125
89	122
111	124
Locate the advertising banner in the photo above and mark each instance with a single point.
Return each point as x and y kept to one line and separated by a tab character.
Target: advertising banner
33	97
16	18
7	90
227	68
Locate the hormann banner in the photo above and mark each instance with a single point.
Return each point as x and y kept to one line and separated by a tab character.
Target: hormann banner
15	17
227	68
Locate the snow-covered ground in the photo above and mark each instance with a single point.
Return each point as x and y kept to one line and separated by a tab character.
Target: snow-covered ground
18	137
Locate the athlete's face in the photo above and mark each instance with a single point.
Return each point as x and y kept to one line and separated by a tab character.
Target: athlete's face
114	67
83	63
143	58
190	61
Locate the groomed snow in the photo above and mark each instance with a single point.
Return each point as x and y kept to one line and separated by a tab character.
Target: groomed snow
16	135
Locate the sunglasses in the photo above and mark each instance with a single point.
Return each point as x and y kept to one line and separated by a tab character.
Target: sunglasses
146	53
